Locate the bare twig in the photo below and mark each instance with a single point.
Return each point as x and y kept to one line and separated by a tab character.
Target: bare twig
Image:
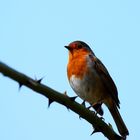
55	96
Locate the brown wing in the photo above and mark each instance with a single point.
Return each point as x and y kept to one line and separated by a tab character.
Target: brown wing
107	80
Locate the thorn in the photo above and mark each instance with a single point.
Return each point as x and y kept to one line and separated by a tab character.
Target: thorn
67	108
65	93
83	103
39	80
80	117
94	131
50	102
73	98
20	85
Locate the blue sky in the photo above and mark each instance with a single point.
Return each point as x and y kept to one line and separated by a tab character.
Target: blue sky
33	34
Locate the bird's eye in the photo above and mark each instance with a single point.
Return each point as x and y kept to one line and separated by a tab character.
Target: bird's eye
79	46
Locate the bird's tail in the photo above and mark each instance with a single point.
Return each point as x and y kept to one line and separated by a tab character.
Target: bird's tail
119	121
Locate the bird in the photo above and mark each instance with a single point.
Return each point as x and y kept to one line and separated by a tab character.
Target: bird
91	81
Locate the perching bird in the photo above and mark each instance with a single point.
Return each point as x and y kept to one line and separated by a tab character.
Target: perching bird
91	81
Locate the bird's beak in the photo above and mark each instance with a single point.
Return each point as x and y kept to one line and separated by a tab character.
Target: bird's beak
67	47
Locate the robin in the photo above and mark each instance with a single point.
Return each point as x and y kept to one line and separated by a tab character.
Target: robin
92	82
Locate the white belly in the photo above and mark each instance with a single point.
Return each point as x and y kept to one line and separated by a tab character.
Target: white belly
88	88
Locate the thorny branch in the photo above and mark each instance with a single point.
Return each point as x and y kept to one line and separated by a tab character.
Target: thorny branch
54	96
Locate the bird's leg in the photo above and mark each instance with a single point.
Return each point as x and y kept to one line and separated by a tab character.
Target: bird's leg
98	108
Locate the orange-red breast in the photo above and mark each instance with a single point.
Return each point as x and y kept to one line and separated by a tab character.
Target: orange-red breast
91	81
